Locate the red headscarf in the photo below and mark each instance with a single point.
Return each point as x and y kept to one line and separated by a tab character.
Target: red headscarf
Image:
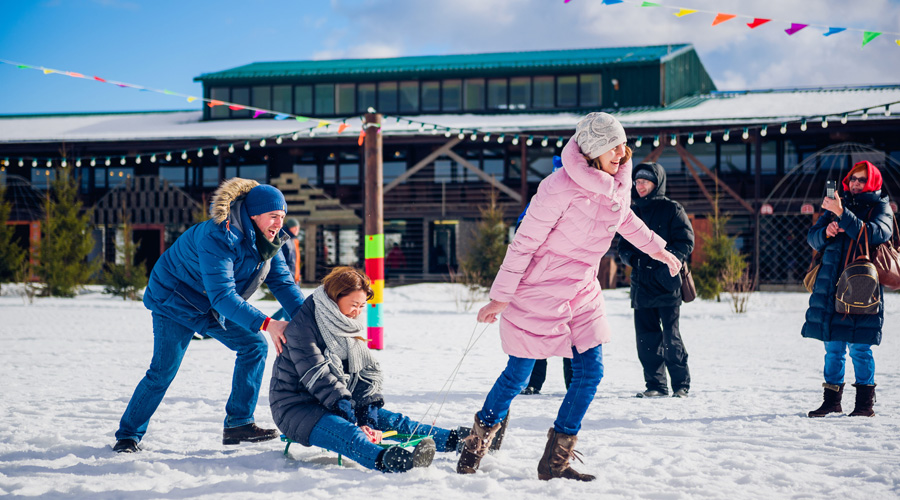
872	174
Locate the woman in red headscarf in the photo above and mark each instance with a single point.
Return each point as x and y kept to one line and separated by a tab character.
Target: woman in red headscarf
862	206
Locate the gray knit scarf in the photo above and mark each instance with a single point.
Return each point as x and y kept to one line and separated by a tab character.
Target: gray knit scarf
339	331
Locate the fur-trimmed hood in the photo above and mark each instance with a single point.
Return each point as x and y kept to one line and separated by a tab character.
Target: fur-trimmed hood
229	191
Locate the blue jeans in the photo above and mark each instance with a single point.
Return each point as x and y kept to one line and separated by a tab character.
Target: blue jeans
587	370
170	341
336	434
863	362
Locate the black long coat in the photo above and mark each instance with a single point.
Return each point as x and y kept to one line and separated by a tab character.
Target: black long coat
297	405
822	322
651	283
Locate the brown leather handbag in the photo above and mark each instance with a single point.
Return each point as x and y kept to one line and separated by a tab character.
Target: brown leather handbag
887	260
688	289
809	281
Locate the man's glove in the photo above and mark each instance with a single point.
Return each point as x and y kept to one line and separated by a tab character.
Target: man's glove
344	408
368	415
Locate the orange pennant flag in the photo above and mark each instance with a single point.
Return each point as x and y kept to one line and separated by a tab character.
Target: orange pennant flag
342	127
76	75
214	103
684	12
721	18
362	137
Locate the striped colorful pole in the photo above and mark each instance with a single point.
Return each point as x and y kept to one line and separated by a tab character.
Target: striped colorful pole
375	271
374	206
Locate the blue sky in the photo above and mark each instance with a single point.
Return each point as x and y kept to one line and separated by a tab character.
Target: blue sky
165	44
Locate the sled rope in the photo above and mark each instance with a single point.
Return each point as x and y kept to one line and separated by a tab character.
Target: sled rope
445	389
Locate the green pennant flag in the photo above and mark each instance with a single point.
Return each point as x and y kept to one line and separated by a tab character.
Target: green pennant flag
868	36
649	4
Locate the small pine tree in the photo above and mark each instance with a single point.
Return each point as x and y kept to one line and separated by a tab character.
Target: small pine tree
11	254
489	246
201	213
720	251
66	240
126	279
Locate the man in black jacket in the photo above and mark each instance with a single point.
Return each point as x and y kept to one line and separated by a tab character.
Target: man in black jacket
655	295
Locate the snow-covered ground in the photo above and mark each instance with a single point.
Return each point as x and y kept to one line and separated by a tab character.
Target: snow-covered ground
69	366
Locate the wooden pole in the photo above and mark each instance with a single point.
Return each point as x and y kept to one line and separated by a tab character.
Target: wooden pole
374	238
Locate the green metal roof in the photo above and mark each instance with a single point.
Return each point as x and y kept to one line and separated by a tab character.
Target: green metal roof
554	60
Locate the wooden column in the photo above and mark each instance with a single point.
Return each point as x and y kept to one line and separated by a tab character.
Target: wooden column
374	224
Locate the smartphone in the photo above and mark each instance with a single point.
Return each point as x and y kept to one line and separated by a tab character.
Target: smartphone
830	186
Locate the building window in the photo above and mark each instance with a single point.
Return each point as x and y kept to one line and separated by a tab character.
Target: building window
543	92
496	93
307	168
240	96
345	99
261	97
431	96
520	93
324	99
451	95
365	94
387	97
589	90
303	100
219	94
258	173
567	91
493	163
349	169
409	97
474	94
210	176
281	98
175	174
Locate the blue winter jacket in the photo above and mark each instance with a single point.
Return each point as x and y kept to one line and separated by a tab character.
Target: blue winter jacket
822	322
206	276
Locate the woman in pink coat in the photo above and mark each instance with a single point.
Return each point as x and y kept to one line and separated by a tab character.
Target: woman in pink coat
547	287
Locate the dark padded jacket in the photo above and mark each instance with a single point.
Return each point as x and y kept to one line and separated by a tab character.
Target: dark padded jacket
822	322
297	398
651	283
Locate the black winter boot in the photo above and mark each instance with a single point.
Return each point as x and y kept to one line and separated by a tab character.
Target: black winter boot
832	400
126	446
249	433
865	399
423	453
394	459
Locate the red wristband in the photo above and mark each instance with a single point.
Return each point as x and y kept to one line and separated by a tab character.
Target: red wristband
265	324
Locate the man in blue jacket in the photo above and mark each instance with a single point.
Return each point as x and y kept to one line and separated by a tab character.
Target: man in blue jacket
201	284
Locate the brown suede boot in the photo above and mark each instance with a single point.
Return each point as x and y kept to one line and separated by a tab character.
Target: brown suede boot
475	445
832	401
555	462
865	399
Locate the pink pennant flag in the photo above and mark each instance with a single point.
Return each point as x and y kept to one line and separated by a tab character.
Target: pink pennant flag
258	113
123	85
721	18
757	22
235	107
795	27
99	79
76	75
342	127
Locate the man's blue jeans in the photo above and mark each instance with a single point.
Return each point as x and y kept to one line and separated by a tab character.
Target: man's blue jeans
863	362
170	341
587	370
336	434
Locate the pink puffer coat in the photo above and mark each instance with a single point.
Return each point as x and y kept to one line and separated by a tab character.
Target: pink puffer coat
549	274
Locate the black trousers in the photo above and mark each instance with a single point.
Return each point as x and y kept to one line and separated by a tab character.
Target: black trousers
539	373
660	348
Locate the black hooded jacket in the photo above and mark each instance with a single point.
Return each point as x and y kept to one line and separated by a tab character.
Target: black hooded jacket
651	284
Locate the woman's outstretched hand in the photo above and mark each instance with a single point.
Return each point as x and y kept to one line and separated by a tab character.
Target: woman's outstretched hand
488	313
668	259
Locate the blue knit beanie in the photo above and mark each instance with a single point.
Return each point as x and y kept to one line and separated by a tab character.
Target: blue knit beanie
263	199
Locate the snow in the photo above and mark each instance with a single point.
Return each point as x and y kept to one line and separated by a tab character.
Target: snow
69	367
725	108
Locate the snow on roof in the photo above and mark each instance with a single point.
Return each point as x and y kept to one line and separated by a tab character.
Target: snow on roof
720	108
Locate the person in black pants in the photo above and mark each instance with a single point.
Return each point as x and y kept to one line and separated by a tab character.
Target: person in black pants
655	294
539	375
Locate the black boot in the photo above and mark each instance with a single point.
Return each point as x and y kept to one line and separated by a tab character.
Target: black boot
832	401
423	453
395	459
865	399
249	433
126	446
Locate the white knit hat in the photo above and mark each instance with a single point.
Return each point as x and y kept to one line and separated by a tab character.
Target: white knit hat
598	133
